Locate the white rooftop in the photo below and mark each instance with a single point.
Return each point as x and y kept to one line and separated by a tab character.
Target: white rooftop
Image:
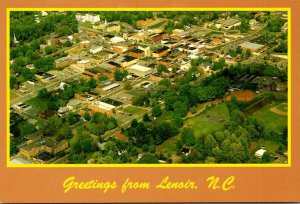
140	68
104	106
111	86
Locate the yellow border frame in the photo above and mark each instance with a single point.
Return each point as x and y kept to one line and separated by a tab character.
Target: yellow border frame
8	164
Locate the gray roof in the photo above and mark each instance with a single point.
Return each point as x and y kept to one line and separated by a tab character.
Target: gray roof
250	45
230	21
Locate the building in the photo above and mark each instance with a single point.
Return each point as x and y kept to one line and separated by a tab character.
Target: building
230	23
139	70
65	61
252	23
96	49
85	44
137	53
73	103
160	52
83	64
93	18
253	47
43	144
116	39
259	153
126	61
83	97
108	88
62	111
62	85
146	49
44	76
158	37
101	107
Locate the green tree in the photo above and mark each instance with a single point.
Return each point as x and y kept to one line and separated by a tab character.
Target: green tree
148	159
127	85
156	111
146	118
188	136
43	93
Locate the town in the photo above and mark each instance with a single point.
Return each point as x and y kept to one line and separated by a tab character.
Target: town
147	87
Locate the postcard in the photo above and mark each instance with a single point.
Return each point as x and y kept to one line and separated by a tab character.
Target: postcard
149	102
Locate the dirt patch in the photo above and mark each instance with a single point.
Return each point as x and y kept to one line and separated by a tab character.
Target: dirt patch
243	95
143	23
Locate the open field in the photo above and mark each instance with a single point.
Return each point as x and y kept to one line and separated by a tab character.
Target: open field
272	120
209	121
134	110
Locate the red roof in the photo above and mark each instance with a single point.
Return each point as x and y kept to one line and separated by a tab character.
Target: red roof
120	136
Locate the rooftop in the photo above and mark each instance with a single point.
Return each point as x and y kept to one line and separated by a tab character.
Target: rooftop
140	68
250	45
230	21
104	106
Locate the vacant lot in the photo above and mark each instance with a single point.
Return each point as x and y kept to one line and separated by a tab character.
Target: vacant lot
272	120
243	95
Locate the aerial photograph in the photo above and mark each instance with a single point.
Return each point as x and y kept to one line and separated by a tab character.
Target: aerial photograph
148	87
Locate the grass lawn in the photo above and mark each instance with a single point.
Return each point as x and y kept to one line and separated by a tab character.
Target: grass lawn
272	120
13	95
135	110
157	25
282	107
203	125
269	145
37	103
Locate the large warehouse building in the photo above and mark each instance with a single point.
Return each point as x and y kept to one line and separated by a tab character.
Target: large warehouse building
140	70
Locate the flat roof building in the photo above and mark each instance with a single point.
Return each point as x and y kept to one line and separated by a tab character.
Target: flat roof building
140	70
253	47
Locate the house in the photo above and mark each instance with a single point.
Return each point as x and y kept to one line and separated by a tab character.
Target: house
102	107
139	70
253	47
62	111
259	153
